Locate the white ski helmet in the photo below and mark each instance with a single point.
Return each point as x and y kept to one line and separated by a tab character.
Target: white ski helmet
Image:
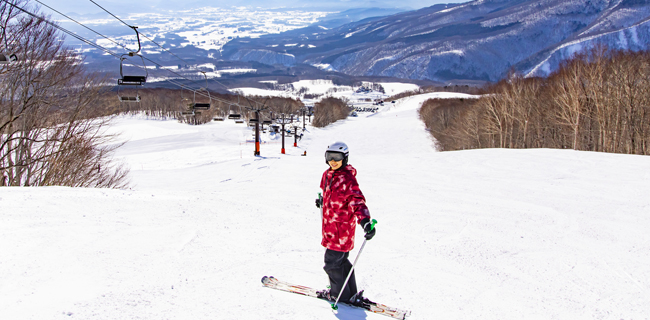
340	147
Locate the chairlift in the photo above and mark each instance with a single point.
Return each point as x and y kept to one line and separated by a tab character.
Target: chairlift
5	56
220	117
186	103
131	80
123	98
128	96
267	120
233	113
202	106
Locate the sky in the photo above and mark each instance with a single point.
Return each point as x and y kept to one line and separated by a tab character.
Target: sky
122	6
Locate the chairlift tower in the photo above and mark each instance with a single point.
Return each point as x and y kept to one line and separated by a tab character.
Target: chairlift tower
310	112
257	109
283	120
295	134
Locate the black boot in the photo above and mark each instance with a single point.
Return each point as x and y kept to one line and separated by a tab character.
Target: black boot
359	300
325	294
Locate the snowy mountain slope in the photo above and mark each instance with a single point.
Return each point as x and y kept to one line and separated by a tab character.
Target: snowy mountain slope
489	234
480	40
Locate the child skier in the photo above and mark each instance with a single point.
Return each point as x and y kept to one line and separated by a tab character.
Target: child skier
342	204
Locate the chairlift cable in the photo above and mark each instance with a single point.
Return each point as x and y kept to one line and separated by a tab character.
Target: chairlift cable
160	46
63	29
179	58
81	24
111	14
88	41
80	38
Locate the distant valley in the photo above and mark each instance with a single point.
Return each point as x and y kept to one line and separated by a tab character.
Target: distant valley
193	40
478	40
471	42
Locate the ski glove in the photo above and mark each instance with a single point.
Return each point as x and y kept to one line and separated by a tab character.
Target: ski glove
367	227
319	203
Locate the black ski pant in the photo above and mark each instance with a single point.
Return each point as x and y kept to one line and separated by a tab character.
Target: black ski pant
337	266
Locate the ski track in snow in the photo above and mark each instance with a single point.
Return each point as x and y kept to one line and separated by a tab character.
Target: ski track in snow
477	234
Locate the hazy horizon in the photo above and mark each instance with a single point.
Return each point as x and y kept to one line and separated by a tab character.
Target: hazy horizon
143	6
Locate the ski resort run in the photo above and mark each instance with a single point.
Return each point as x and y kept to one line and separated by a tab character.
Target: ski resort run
487	234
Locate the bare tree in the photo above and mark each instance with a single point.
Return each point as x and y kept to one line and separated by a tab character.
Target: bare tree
47	132
329	110
599	100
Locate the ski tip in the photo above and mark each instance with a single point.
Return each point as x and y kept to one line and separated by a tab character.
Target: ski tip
267	280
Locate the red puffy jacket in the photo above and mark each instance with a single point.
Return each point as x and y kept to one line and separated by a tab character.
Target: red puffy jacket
343	206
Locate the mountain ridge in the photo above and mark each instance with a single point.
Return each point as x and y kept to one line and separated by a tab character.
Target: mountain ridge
478	40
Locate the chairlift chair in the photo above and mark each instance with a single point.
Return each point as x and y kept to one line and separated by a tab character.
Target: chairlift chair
267	120
131	80
135	98
186	103
5	56
127	96
220	117
202	106
232	112
254	120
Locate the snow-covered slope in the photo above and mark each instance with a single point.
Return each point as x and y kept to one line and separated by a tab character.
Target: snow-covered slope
480	234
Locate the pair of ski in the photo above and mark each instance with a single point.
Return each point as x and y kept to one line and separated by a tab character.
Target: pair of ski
271	282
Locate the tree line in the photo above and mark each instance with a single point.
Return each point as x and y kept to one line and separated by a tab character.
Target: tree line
599	100
330	110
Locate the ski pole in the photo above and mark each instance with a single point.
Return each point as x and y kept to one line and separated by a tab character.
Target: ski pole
334	305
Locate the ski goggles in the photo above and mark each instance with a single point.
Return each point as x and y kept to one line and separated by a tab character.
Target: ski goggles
336	156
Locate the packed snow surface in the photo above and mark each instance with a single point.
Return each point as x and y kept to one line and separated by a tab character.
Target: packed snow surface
479	234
